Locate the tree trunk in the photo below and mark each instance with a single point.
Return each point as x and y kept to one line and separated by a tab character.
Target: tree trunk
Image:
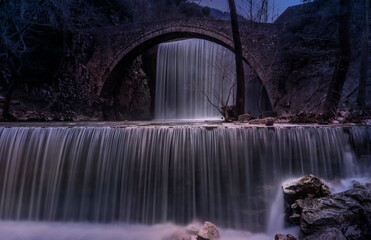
8	97
342	62
361	98
240	98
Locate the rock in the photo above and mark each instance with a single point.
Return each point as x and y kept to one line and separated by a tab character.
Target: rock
284	237
345	215
208	232
245	117
229	113
333	234
308	186
270	122
265	121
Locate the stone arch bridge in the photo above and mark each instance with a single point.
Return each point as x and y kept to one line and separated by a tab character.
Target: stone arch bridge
118	46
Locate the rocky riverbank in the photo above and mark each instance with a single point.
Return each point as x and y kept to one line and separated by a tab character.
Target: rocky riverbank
325	216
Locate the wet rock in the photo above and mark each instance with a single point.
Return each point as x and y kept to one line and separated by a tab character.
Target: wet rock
349	211
245	117
229	113
332	234
308	186
265	121
284	237
303	117
208	232
345	215
270	122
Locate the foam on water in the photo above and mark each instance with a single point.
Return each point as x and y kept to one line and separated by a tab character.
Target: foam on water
343	185
11	230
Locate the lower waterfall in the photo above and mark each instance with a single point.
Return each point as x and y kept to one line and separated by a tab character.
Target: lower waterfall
159	174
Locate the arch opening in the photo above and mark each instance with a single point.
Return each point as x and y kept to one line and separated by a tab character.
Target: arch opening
146	52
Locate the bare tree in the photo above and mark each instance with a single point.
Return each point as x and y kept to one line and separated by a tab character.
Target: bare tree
223	96
17	17
258	10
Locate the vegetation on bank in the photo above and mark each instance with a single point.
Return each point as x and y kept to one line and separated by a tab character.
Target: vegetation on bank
41	53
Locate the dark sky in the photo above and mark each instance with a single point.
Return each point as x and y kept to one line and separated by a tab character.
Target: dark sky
280	5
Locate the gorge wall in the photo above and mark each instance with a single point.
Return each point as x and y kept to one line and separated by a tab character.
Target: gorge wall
296	73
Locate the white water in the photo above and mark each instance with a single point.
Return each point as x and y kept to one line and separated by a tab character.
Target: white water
276	214
10	230
189	71
342	185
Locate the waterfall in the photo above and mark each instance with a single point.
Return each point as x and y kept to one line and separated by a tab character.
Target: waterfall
157	174
187	73
195	76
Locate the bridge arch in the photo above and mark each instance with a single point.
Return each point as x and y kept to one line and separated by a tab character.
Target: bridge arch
132	50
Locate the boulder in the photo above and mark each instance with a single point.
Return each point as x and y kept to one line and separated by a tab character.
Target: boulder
245	117
308	186
208	232
345	215
284	237
349	211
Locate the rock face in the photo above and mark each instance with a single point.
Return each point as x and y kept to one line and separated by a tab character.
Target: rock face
321	216
306	187
345	215
284	237
208	232
132	99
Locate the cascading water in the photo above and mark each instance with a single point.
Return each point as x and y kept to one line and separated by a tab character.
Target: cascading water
187	72
228	175
190	73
